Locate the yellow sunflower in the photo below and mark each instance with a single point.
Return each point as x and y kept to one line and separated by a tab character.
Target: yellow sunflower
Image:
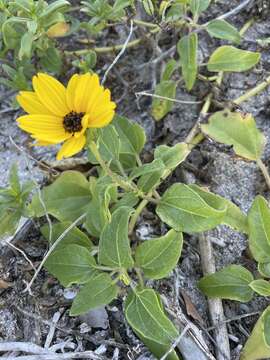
57	114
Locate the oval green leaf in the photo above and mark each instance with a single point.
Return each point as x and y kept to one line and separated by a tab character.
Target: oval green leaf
72	264
191	209
99	290
114	245
230	283
238	130
259	230
231	59
187	48
158	257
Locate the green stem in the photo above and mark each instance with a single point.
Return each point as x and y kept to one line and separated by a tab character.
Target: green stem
252	92
136	215
105	268
140	277
264	171
123	184
114	48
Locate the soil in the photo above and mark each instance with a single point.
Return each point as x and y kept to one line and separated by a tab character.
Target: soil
24	317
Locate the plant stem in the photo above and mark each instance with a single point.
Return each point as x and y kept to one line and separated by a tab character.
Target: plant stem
252	92
123	184
136	215
113	48
140	277
264	171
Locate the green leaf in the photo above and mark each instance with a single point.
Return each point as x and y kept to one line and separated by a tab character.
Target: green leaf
187	48
158	257
198	6
51	60
99	290
171	66
114	245
149	168
14	180
238	130
66	199
161	107
146	316
148	7
172	156
190	208
132	140
264	269
221	29
73	237
26	46
72	264
9	220
150	180
108	143
260	286
235	218
229	58
98	213
230	283
259	230
128	199
258	344
55	6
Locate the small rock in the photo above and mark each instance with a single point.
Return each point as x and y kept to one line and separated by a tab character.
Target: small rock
96	318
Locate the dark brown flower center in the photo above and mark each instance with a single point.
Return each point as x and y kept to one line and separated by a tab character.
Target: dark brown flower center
73	122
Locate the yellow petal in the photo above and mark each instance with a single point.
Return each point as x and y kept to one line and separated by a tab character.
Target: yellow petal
44	127
31	104
71	147
71	91
102	119
97	92
42	143
86	88
51	93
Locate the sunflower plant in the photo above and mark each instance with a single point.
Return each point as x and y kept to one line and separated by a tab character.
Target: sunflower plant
93	238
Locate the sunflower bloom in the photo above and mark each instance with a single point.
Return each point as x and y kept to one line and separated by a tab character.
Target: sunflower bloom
57	114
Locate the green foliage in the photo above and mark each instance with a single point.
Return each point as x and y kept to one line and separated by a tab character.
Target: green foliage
146	316
99	290
74	237
258	345
231	59
25	30
259	230
114	247
101	12
187	48
66	199
165	89
98	213
157	257
238	130
161	107
198	6
221	29
260	286
72	264
13	202
191	209
232	282
111	201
